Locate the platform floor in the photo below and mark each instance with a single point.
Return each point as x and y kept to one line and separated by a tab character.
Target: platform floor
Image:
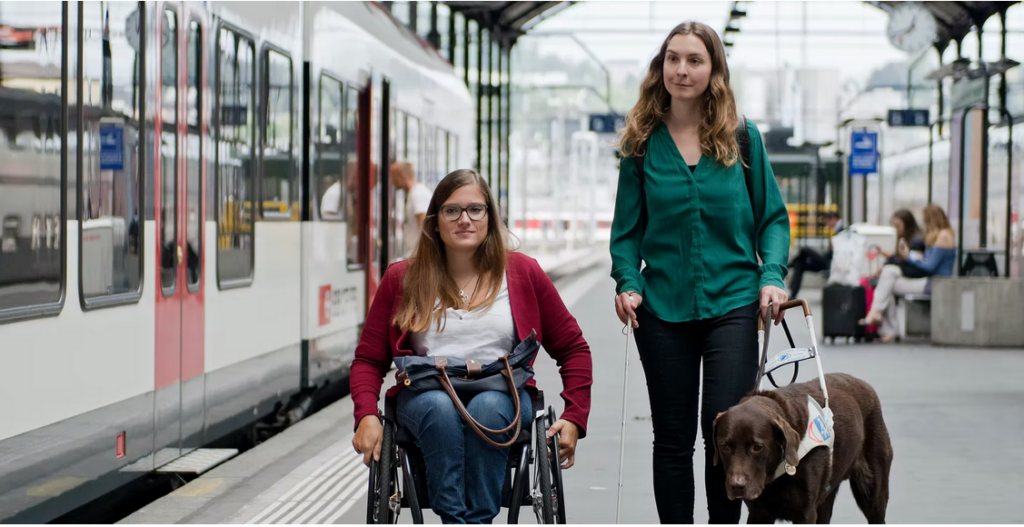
955	416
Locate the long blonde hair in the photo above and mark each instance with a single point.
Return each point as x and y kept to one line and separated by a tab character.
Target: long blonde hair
718	125
935	221
428	290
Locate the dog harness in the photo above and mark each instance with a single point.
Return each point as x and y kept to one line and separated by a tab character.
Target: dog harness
820	424
819	432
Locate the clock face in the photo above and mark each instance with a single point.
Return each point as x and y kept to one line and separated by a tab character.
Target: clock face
911	27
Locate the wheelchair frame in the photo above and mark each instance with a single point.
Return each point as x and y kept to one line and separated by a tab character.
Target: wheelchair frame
389	493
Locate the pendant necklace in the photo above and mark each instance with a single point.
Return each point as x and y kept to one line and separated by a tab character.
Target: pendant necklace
462	293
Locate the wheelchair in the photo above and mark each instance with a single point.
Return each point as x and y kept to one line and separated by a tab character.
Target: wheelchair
389	493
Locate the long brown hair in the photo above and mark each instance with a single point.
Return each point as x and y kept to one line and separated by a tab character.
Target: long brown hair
428	290
910	228
718	125
935	221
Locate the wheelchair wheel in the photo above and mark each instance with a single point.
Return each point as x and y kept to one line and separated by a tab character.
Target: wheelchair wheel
382	501
542	495
549	502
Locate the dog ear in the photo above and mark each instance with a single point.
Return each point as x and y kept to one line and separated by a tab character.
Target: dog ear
790	442
714	438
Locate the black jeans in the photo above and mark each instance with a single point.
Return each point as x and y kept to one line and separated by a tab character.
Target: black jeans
671	354
806	260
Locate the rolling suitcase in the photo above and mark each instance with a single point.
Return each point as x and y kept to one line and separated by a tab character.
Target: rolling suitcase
842	307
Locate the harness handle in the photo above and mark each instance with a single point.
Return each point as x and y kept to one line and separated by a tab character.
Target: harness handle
783	307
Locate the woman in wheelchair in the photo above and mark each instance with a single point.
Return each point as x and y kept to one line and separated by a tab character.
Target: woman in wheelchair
465	294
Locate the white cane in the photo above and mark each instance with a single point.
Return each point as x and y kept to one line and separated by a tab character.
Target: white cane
622	435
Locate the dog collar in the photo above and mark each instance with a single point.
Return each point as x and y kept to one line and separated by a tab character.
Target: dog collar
819	432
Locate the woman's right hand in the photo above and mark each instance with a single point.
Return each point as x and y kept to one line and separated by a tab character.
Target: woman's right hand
368	437
625	306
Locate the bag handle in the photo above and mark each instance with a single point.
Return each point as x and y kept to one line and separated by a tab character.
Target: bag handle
441	363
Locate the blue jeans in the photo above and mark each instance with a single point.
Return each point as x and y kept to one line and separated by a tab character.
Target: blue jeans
464	473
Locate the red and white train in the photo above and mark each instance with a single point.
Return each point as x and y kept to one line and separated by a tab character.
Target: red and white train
195	215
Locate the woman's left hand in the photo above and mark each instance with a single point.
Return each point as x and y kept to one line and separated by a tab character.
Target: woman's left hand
777	297
568	435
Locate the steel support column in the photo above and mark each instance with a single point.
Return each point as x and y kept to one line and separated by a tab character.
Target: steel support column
490	108
451	37
479	95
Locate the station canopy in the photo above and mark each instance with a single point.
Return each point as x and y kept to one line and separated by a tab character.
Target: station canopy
954	19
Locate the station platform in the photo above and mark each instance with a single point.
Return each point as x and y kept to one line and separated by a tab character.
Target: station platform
953	414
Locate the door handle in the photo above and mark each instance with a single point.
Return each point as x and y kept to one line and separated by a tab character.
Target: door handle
179	255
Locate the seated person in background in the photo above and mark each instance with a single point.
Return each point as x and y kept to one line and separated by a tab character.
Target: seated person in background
810	260
939	258
909	243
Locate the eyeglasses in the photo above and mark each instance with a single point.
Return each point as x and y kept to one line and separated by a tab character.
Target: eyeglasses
454	212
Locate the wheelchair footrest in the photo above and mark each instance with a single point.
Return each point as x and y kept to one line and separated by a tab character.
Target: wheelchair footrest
786	357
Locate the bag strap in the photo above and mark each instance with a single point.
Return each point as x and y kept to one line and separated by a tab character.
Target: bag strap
743	141
441	363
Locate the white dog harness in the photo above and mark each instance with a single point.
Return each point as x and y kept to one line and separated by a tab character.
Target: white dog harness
820	430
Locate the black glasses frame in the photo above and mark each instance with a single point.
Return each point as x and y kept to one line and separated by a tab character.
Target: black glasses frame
461	210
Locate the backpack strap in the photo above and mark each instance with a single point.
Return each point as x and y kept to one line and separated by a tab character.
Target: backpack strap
743	140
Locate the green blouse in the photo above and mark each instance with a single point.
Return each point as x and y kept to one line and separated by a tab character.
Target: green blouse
699	244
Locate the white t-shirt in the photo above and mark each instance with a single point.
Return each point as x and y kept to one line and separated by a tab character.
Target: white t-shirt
417	201
484	336
330	204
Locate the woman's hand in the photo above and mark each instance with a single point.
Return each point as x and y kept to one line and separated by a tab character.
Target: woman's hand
625	306
903	251
368	438
777	297
568	435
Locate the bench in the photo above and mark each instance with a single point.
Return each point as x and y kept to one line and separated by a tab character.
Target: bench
914	313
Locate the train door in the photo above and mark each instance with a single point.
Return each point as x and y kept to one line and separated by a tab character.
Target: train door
180	129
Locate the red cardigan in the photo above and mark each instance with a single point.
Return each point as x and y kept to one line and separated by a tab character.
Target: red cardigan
535	304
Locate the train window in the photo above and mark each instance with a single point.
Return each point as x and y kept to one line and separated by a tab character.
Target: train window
440	156
396	217
453	153
169	154
277	164
194	144
353	181
235	137
401	150
110	248
413	145
331	172
32	169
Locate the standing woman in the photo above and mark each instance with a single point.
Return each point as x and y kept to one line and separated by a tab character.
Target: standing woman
465	294
686	213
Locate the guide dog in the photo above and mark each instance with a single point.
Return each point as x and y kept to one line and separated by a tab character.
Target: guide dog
757	442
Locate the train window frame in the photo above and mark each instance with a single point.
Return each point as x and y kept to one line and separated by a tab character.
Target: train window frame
263	106
132	297
356	95
202	133
52	309
171	290
318	192
241	282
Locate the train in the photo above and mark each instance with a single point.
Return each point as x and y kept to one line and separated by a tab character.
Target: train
195	217
905	186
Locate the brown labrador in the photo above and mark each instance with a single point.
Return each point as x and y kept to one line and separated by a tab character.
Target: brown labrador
752	438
